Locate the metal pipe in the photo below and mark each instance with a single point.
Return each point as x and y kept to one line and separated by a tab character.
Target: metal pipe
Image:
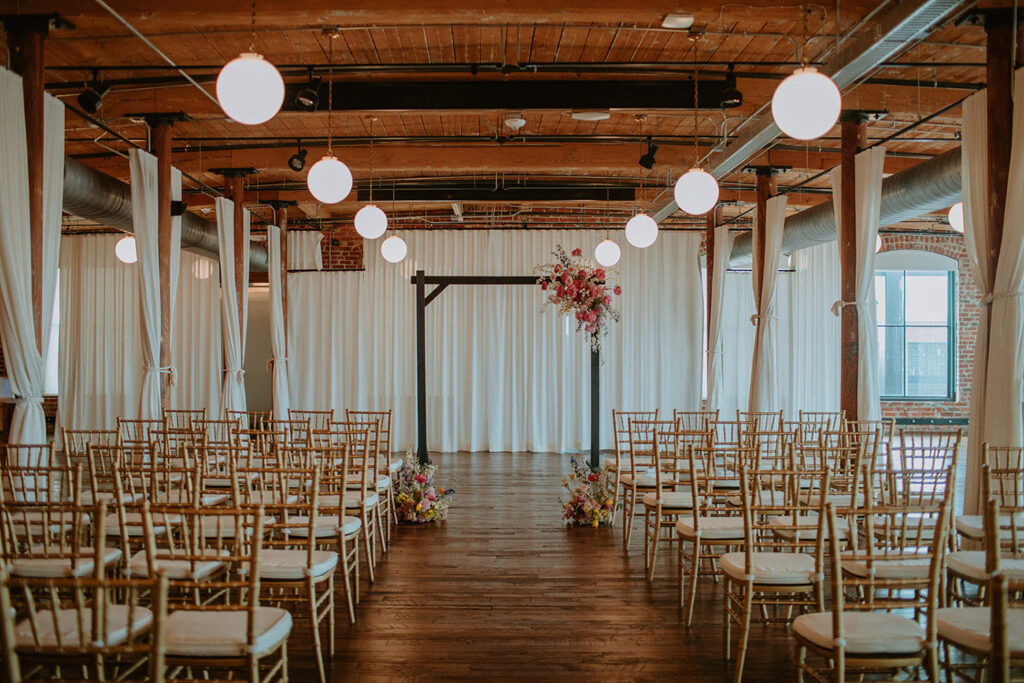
95	196
926	187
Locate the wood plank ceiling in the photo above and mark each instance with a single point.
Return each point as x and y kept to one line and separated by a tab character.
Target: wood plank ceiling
459	44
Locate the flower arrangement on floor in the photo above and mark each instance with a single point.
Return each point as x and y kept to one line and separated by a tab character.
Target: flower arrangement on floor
591	496
418	499
576	286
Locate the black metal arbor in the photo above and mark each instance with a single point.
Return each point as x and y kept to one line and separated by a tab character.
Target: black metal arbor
423	298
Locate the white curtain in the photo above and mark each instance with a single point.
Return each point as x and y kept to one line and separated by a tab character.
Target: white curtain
304	251
196	351
504	370
999	352
808	333
764	388
716	356
101	362
868	170
145	222
278	343
737	343
233	321
17	318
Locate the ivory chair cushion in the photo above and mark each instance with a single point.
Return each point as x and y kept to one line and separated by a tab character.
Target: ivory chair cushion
644	481
354	500
383	483
181	497
973	527
807	527
223	526
61	567
787	569
394	464
174	570
133	520
108	497
195	633
775	498
970	628
326	526
713	528
840	500
674	500
284	565
896	568
270	498
971	564
67	622
866	633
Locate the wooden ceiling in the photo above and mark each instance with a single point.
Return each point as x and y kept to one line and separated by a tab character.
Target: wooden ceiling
457	44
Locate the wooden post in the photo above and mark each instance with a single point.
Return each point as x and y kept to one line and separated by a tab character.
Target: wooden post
161	134
999	29
26	40
853	139
421	368
237	186
281	215
595	408
766	187
711	222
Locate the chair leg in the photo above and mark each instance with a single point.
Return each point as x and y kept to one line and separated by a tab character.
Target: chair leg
348	583
315	624
741	651
380	529
368	533
653	546
694	576
628	496
330	616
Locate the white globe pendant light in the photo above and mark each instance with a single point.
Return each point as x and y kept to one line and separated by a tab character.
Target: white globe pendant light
956	217
607	253
696	192
641	231
371	222
329	180
125	251
393	249
878	243
806	104
250	89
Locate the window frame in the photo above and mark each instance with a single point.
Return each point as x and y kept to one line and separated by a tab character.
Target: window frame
951	339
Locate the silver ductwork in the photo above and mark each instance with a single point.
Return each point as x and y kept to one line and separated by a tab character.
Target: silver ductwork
926	187
95	196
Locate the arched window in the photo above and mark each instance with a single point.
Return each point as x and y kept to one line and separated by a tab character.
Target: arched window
915	296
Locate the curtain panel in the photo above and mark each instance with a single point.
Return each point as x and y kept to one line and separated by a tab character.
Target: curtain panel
145	222
304	251
196	348
764	387
233	319
278	343
716	352
504	370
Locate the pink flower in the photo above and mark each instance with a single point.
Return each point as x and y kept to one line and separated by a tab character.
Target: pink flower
591	316
591	328
599	273
618	290
607	301
582	274
426	504
544	285
565	277
577	252
421	478
558	268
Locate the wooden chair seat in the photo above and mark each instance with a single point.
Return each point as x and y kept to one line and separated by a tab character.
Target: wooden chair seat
866	633
61	629
969	628
194	633
970	564
175	570
326	526
713	529
896	568
972	526
290	565
806	527
670	500
771	568
61	567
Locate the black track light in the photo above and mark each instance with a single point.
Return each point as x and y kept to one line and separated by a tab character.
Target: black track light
297	161
309	97
731	97
91	99
647	160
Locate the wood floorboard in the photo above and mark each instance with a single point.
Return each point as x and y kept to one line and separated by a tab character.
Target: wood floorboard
504	590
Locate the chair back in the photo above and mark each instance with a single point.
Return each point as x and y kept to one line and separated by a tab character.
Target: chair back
694	420
297	432
47	531
134	432
25	455
620	425
249	419
77	440
731	432
52	482
761	421
181	420
385	426
776	518
319	420
812	423
643	440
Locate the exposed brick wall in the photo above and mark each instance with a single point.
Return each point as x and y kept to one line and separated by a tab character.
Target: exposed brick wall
342	249
968	308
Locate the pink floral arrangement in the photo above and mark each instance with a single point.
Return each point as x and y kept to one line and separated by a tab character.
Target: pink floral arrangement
591	499
578	287
419	499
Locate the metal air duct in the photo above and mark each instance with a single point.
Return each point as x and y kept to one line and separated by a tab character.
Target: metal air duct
926	187
95	196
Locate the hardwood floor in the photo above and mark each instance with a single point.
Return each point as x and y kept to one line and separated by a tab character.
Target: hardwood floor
504	589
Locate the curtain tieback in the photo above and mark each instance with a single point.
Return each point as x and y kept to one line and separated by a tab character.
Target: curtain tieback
989	298
760	316
28	399
274	361
238	372
837	307
168	369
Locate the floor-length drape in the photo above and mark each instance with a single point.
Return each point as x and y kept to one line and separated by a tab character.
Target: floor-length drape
100	357
505	371
716	356
145	222
282	395
764	387
21	344
196	351
304	251
233	320
995	415
868	170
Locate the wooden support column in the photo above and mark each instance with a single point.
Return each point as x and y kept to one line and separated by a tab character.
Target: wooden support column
234	183
999	57
854	138
26	39
711	222
280	207
161	141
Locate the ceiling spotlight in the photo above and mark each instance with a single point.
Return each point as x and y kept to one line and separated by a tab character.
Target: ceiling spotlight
647	160
309	97
91	99
515	120
731	97
297	161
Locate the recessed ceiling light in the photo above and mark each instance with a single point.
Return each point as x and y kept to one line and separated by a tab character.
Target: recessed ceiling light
515	120
677	20
592	115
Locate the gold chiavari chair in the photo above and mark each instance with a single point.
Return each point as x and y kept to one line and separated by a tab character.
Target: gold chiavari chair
382	481
394	463
1005	462
255	420
94	628
620	463
639	479
26	455
364	479
694	420
59	483
774	574
761	421
711	528
76	441
979	631
319	420
731	433
234	631
297	432
180	420
136	432
812	424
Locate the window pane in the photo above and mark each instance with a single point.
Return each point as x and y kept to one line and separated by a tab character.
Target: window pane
927	361
927	298
890	362
889	297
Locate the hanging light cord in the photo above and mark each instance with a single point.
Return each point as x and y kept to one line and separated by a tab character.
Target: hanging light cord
696	105
252	37
372	119
330	89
